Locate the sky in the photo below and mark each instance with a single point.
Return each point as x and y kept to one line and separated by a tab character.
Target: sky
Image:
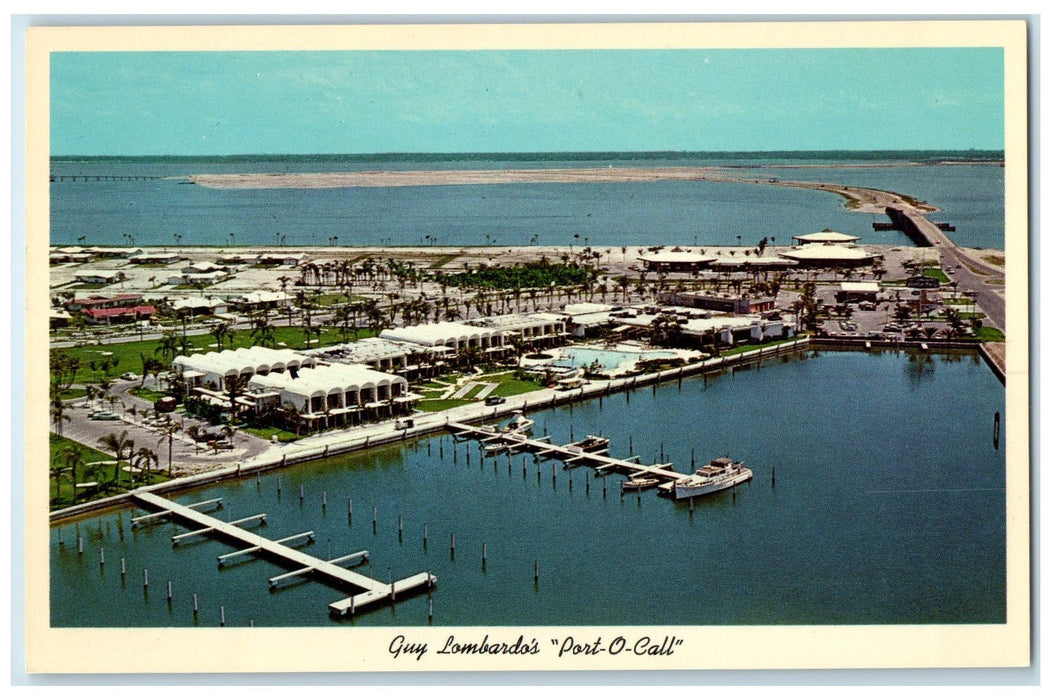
228	103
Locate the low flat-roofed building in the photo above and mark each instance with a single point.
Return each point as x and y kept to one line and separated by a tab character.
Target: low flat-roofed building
829	255
202	267
752	262
236	258
694	325
123	314
98	276
58	258
718	301
205	278
113	301
675	260
857	291
199	305
279	258
110	252
262	299
211	369
156	258
59	318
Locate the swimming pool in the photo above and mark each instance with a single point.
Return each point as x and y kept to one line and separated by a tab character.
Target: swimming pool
609	359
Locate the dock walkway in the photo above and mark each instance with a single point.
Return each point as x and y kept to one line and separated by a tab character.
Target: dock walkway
566	453
373	591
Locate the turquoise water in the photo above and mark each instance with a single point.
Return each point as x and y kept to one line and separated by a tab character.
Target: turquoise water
154	211
888	507
610	359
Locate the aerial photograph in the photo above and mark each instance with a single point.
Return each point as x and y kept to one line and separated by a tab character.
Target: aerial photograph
513	338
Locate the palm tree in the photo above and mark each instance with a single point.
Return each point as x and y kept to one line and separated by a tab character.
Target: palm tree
59	413
72	458
117	444
193	431
222	331
58	471
170	428
143	458
168	347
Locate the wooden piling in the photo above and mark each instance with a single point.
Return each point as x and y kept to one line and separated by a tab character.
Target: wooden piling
102	556
536	570
484	554
145	578
279	478
430	610
80	545
374	520
222	616
122	571
350	510
195	604
400	522
324	500
452	544
169	590
425	535
301	493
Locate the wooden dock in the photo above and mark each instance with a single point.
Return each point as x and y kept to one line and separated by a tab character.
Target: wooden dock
301	563
568	454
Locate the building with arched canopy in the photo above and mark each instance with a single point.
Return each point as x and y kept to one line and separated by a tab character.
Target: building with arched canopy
333	395
211	370
827	255
828	237
458	336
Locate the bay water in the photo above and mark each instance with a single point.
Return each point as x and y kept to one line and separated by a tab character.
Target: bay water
878	498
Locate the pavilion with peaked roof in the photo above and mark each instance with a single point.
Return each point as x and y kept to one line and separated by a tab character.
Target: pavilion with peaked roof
827	237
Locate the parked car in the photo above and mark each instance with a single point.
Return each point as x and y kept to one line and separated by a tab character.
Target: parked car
494	400
104	415
130	376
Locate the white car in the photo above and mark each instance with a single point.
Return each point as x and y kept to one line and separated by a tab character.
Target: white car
130	376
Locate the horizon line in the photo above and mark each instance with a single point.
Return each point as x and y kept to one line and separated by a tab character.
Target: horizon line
418	154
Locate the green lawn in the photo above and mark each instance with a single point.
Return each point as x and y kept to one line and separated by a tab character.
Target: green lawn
61	491
268	433
148	394
988	334
936	273
128	352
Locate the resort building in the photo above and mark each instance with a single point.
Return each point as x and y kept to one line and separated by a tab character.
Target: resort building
195	306
106	252
237	259
280	258
857	291
717	301
675	260
536	330
156	258
99	302
202	268
211	370
57	257
695	326
332	395
829	255
586	318
458	336
751	263
100	277
202	278
120	308
410	360
262	299
826	237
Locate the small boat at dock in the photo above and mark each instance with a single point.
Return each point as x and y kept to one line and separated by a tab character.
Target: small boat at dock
519	424
592	443
639	484
719	474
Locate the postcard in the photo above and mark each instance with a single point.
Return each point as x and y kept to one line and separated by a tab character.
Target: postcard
607	346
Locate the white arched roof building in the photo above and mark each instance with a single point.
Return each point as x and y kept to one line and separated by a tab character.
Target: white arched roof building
336	388
215	367
448	333
827	255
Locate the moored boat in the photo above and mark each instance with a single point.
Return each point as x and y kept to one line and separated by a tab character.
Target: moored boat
639	484
519	424
592	443
719	474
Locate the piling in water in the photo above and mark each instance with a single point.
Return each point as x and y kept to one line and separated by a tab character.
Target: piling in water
195	604
169	590
102	556
122	567
222	616
536	570
145	578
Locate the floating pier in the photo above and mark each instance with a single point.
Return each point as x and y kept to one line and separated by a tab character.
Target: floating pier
370	592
